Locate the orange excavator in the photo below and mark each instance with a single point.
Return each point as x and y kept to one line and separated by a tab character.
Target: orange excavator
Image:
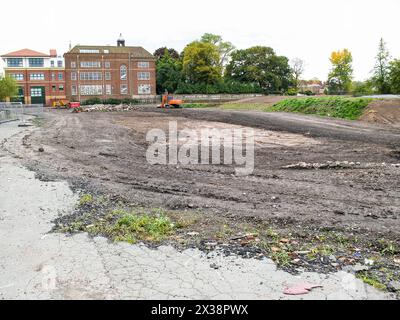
168	101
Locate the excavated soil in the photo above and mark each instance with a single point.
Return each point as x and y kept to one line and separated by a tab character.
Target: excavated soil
106	153
384	112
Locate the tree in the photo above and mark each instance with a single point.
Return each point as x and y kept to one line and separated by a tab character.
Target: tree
362	88
297	69
160	52
381	69
8	88
201	63
260	65
340	77
225	48
169	73
394	76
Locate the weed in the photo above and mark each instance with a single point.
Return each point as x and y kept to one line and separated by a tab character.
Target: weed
371	280
85	199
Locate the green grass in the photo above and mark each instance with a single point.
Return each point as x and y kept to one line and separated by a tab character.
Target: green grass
132	227
371	280
337	107
85	199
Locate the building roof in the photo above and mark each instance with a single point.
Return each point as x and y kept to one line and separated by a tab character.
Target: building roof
25	53
136	52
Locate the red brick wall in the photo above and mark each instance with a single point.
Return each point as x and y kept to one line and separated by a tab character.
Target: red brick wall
47	83
116	61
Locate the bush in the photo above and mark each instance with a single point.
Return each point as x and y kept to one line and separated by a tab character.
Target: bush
337	107
291	92
110	101
230	87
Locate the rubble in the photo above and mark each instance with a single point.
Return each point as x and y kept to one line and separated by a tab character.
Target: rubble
109	108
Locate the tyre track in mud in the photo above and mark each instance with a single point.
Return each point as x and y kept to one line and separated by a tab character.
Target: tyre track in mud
74	143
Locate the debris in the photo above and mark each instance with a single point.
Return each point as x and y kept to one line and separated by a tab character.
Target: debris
41	149
192	234
109	108
326	165
369	262
300	289
214	266
394	286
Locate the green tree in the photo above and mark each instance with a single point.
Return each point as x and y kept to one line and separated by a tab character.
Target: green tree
260	65
394	76
341	74
159	53
8	88
225	48
381	70
201	63
362	88
169	73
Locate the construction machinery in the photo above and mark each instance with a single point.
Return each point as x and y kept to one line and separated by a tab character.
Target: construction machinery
65	104
168	101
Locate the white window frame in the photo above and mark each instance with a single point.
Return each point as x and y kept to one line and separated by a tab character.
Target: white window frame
124	88
107	64
73	64
17	76
144	89
90	64
91	76
37	77
144	64
73	76
107	75
91	90
143	75
123	72
108	90
74	91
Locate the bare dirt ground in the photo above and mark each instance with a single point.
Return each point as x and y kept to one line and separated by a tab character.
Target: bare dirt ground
383	111
105	153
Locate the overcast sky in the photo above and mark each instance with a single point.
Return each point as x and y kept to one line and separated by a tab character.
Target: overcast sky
308	29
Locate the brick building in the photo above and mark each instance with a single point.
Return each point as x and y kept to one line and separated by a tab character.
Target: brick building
40	76
106	72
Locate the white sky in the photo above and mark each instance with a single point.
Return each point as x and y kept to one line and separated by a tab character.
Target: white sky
308	29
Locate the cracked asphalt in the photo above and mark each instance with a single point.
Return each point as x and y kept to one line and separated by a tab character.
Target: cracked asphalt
36	264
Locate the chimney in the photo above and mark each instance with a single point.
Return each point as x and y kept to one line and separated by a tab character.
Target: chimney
121	41
53	53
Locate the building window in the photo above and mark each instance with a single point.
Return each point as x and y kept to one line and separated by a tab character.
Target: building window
36	76
36	62
91	90
53	88
107	64
124	89
144	89
53	76
59	63
73	64
14	62
94	76
36	92
107	75
108	89
73	76
123	72
17	76
89	51
74	92
144	64
143	75
52	63
90	64
60	88
60	76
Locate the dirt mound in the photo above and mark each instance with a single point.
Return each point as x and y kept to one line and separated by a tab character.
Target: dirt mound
383	111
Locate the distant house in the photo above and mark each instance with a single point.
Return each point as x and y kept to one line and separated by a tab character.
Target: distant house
40	76
105	72
315	86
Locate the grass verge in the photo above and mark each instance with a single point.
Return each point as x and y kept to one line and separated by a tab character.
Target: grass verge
337	107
